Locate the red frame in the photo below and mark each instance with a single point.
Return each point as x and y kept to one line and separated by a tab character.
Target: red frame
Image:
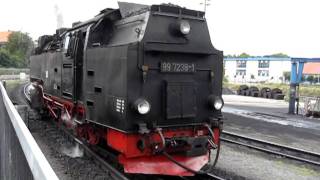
131	157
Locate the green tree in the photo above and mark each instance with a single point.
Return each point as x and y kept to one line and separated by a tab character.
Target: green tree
6	59
286	76
18	48
310	78
229	56
244	55
279	55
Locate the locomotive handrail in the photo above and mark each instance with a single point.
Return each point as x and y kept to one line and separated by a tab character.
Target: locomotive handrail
37	162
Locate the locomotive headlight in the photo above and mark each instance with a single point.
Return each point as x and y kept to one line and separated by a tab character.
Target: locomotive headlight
215	102
218	103
142	106
180	28
184	27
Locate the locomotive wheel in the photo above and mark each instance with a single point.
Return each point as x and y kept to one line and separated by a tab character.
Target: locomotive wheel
93	137
82	133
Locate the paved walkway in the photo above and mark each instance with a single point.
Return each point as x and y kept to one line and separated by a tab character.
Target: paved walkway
268	119
269	110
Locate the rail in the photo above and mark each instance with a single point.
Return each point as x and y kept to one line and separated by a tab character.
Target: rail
112	172
20	155
272	148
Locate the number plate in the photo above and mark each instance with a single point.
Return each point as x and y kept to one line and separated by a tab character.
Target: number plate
177	67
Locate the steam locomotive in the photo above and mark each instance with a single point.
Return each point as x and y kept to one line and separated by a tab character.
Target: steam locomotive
144	80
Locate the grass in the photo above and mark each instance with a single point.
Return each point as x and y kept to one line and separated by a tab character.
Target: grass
13	71
10	84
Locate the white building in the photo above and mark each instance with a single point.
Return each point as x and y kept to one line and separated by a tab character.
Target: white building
256	69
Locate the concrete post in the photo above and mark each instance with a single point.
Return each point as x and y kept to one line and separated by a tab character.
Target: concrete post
4	83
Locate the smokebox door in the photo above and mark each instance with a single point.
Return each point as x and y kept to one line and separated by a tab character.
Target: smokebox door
180	100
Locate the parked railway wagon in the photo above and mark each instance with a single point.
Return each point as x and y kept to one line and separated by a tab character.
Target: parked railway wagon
144	80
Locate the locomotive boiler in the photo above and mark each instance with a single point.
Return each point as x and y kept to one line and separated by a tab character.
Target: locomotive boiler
144	80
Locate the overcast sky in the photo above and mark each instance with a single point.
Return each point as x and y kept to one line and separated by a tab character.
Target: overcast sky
258	27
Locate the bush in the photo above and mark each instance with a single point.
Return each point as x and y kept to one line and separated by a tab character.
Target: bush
6	59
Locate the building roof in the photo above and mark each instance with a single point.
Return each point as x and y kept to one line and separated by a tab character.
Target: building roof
4	36
311	68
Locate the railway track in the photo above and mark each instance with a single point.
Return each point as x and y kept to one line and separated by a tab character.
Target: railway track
272	148
111	171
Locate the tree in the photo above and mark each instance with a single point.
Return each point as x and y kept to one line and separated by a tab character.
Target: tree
244	55
228	56
286	76
18	50
310	78
6	59
279	55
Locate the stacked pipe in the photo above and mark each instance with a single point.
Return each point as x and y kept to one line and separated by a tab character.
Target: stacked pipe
264	92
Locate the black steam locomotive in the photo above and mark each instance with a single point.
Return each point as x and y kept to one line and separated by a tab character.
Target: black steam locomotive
145	80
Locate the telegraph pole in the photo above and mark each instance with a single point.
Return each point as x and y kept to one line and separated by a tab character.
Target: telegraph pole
205	3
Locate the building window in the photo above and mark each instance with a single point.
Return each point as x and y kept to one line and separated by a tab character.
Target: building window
263	73
241	72
241	64
263	64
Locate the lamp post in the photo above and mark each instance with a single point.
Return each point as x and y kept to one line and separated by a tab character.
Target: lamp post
205	3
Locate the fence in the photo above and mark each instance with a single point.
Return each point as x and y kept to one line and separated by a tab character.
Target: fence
309	106
20	156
